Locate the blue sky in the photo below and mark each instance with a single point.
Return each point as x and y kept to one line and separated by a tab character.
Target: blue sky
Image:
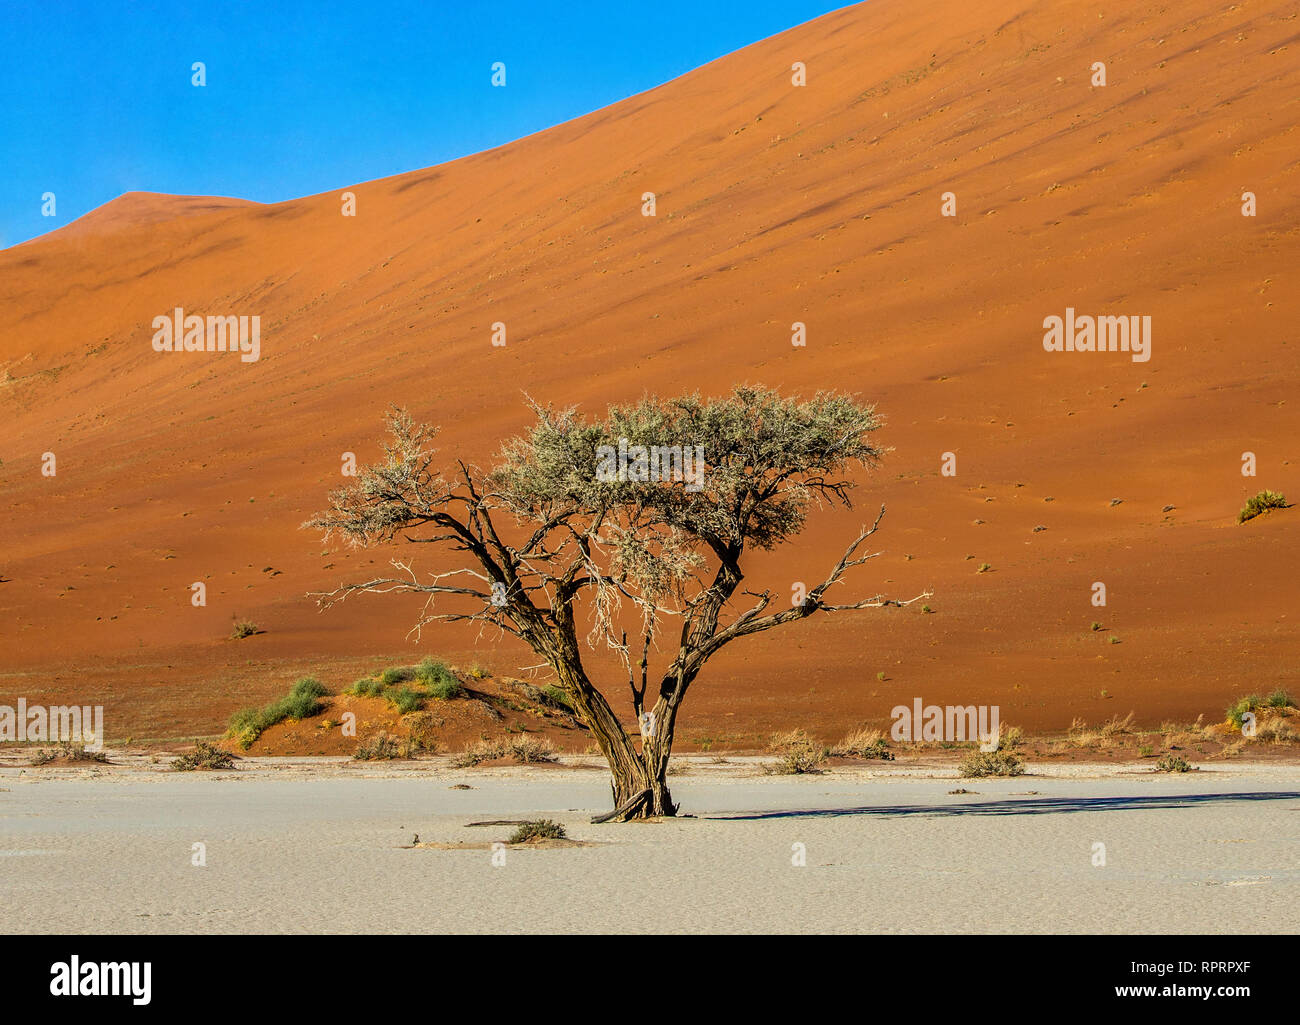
302	97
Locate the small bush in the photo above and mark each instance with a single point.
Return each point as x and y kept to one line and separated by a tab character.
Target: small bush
302	702
423	731
527	749
309	687
799	754
1260	504
479	751
242	628
1172	763
446	690
431	671
1237	711
204	756
406	699
1280	699
382	747
556	697
367	687
540	829
71	752
863	743
477	672
396	675
992	763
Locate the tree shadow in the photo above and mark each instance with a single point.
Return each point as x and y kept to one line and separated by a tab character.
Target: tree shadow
1033	806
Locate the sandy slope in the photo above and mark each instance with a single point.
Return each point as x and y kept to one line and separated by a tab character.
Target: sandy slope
775	204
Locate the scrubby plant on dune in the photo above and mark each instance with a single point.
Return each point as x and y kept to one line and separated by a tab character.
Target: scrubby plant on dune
302	702
409	687
1261	503
550	537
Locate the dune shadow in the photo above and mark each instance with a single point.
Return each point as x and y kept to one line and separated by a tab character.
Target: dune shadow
1034	806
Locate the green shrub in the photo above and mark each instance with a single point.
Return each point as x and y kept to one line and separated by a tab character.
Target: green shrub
540	829
367	687
302	702
406	699
1172	763
396	675
1280	699
992	763
309	687
431	671
1237	711
446	690
556	697
1260	504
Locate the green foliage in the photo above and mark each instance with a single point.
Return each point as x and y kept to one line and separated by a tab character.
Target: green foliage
396	675
406	699
1261	503
1238	709
1172	763
367	687
1280	699
302	702
556	697
540	829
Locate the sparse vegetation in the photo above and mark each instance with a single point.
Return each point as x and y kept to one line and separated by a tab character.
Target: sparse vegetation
302	702
1172	763
68	752
863	743
527	749
539	829
204	756
992	763
480	751
1237	711
1260	504
1280	699
382	747
799	754
243	628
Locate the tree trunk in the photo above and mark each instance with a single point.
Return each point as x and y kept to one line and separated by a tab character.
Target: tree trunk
640	792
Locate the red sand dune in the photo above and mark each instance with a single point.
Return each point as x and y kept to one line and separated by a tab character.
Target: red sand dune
775	204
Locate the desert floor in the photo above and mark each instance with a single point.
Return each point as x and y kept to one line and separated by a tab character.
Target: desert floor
321	845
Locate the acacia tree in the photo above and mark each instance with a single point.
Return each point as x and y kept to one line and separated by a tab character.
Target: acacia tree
550	529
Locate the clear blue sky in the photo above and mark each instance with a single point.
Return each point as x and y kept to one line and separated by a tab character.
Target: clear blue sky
303	97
